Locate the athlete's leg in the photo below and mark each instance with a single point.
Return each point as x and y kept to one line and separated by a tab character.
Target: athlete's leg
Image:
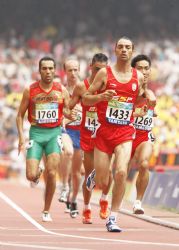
65	166
34	155
52	164
76	173
88	163
102	166
122	157
52	150
143	154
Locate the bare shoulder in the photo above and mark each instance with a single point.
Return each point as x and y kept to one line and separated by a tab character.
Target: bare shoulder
26	92
101	77
102	72
80	86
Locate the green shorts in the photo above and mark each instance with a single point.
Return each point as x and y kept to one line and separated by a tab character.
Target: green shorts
43	140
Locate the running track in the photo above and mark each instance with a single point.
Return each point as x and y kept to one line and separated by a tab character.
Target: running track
21	226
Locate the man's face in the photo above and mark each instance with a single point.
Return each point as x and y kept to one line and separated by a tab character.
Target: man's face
47	71
124	49
144	67
95	67
72	70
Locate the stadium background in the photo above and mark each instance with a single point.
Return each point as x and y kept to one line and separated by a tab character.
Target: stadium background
30	29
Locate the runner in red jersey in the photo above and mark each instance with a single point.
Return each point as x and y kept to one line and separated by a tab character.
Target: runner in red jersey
45	108
88	126
45	102
118	88
143	143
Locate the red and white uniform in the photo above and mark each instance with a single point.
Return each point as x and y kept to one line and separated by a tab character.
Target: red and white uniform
88	124
143	125
45	108
116	116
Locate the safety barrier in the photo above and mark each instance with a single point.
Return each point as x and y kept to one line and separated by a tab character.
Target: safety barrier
163	190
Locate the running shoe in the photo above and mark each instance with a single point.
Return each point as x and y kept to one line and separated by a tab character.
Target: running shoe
33	184
46	217
112	226
87	216
67	209
74	210
104	212
63	195
137	207
90	182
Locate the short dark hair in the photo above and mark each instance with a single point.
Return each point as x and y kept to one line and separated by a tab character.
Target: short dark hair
139	58
47	58
126	38
99	57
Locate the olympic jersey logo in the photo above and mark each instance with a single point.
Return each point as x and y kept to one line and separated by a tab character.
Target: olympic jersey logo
134	86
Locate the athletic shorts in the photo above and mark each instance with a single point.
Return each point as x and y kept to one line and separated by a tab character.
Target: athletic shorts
75	137
141	136
108	137
87	143
43	140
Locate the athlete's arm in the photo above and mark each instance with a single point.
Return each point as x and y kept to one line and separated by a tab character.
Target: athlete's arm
151	98
66	111
99	83
20	118
78	92
142	85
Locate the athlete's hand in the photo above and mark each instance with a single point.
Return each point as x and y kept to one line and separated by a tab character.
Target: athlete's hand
155	114
21	146
139	112
72	116
151	102
108	94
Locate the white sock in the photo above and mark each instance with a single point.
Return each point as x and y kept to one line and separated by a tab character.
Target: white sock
66	187
87	206
104	197
113	214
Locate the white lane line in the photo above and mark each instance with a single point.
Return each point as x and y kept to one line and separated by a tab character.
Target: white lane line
35	246
36	224
157	221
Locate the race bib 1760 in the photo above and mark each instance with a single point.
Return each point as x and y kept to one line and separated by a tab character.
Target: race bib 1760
46	112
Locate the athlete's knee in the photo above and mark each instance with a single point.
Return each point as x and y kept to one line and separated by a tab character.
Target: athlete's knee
102	180
120	174
144	165
51	173
68	153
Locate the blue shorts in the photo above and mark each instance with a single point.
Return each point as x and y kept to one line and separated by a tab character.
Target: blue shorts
75	136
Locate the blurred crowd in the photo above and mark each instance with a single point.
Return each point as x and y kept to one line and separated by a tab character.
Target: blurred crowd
19	58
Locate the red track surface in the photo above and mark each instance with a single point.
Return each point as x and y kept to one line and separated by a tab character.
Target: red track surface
17	232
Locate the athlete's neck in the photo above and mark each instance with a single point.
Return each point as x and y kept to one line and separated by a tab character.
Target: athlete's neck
45	86
70	86
122	67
